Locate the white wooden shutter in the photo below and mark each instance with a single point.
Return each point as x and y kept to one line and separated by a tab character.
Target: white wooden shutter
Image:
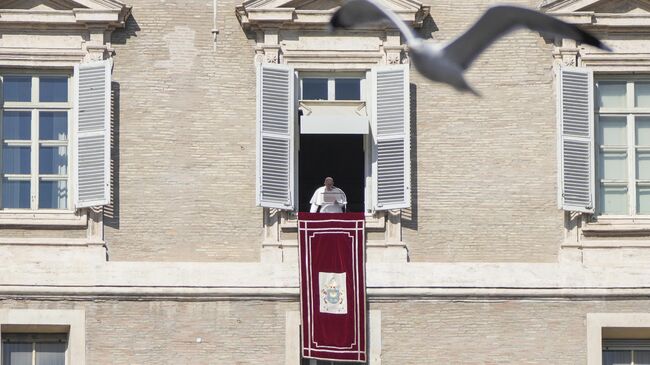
93	114
275	126
391	134
575	144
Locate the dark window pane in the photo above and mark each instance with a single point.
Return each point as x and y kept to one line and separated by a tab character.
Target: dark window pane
53	160
15	194
616	357
314	89
53	194
17	88
53	126
347	89
53	89
16	125
641	357
50	353
16	160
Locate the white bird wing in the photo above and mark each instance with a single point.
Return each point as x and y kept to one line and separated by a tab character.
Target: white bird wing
356	13
499	20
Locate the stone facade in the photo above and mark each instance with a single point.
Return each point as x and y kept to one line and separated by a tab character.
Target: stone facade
183	267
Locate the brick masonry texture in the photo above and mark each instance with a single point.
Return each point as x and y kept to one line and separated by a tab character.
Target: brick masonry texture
490	332
426	331
161	332
484	168
186	136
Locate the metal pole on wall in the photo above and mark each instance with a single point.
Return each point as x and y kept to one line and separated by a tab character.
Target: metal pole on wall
215	31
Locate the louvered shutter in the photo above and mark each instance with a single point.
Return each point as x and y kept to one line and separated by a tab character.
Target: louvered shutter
93	114
575	127
391	134
275	119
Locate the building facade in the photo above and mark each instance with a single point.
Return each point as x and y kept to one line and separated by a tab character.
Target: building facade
155	153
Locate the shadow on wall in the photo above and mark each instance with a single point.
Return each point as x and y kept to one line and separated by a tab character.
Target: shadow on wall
410	215
429	27
112	211
130	29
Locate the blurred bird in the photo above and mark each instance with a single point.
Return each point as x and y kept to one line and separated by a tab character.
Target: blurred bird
446	63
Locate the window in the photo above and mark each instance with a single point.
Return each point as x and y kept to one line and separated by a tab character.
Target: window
623	147
626	352
332	87
334	100
34	349
35	130
54	142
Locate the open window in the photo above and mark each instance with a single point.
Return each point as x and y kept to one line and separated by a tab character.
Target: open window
351	126
604	143
54	129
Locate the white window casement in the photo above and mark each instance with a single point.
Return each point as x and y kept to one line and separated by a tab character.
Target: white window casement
55	110
623	146
35	120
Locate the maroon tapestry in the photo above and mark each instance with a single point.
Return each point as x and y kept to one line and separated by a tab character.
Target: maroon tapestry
332	286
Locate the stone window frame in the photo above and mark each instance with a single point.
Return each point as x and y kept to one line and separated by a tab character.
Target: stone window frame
265	20
94	21
616	27
596	322
70	321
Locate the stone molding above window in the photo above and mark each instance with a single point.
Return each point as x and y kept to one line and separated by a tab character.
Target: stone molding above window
75	30
292	32
622	25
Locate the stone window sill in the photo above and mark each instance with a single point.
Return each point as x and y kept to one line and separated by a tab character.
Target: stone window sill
617	226
77	218
375	221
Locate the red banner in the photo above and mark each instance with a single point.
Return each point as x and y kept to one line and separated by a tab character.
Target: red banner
332	286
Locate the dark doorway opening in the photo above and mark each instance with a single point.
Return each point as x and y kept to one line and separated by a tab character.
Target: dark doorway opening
340	156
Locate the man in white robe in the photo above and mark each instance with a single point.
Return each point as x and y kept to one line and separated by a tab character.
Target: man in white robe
328	198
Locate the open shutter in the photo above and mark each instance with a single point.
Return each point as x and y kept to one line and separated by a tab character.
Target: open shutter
275	125
93	113
391	134
576	142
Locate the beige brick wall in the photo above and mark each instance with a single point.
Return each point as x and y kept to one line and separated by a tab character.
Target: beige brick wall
186	135
164	332
413	332
490	332
485	168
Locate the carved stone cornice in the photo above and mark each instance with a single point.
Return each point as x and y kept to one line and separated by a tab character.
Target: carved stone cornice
598	15
622	25
109	14
59	33
259	14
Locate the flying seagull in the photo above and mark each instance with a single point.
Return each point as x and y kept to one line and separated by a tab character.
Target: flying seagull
446	63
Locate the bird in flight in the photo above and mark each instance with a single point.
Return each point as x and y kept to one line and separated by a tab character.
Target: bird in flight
446	63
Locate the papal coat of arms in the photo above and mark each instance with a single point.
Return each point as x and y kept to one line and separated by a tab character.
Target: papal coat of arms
332	293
